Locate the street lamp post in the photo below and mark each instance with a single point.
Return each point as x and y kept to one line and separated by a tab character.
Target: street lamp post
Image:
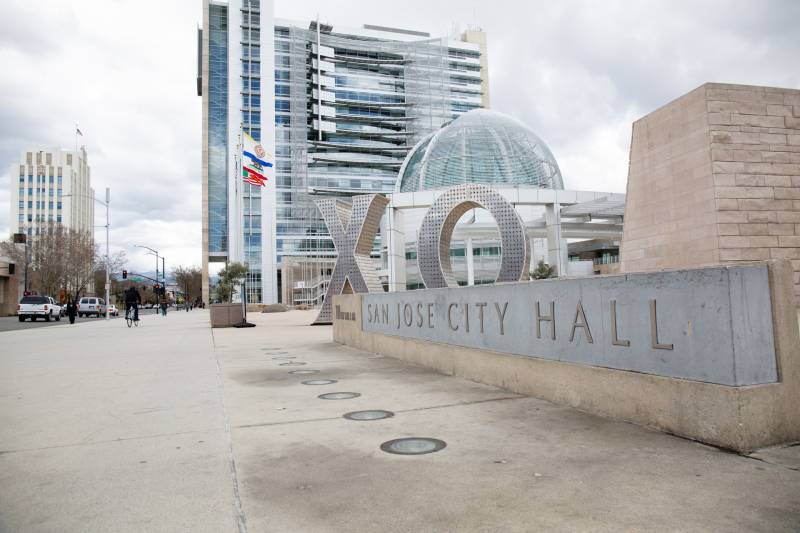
163	266
108	260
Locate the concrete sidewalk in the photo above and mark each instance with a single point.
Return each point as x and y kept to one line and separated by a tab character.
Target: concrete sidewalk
178	429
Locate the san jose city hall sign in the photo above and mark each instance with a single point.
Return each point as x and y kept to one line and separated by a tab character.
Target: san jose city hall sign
710	324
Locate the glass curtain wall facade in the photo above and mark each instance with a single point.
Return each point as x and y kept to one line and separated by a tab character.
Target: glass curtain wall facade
349	105
251	123
218	130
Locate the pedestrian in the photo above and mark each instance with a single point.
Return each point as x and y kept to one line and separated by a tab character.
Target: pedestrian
132	301
163	307
71	311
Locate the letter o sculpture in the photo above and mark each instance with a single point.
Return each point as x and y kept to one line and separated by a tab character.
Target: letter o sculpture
436	232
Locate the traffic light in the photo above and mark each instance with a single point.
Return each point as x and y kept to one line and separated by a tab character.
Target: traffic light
124	274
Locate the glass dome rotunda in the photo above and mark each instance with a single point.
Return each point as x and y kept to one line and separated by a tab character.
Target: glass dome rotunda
480	146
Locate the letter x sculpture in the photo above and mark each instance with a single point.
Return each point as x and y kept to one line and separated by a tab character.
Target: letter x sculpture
354	271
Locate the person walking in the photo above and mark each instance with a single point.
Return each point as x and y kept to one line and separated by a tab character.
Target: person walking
71	311
164	307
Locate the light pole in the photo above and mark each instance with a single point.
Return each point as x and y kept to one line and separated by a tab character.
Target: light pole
154	252
108	260
163	267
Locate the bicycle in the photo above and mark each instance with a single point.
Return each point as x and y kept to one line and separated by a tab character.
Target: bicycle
129	314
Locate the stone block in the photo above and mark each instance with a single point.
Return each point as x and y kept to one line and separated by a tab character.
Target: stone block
754	254
733	242
787	193
772	168
752	229
720	154
732	217
732	254
743	192
728	229
792	122
719	118
752	156
763	204
785	241
772	138
743	138
761	216
777	181
779	110
793	140
760	121
749	180
727	204
785	253
763	241
788	217
725	180
781	229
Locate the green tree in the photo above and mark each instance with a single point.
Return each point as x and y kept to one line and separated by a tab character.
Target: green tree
543	271
229	278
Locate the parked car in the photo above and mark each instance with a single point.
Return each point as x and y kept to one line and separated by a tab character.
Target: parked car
34	307
112	310
91	305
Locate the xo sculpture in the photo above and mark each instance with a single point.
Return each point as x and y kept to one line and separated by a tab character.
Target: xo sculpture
433	240
353	230
354	271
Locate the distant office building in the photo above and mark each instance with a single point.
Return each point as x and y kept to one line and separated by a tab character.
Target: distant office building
347	105
52	186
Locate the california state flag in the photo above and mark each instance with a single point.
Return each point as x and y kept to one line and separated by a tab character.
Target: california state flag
254	161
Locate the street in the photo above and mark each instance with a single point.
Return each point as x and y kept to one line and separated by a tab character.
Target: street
11	323
174	426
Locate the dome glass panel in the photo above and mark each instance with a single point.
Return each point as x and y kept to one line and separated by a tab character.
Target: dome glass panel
480	146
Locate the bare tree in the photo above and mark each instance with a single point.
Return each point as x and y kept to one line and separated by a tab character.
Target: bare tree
190	280
81	261
58	258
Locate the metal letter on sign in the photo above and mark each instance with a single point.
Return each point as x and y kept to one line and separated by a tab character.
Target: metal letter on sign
354	267
436	232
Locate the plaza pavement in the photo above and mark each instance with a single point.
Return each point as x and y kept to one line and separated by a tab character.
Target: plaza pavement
170	427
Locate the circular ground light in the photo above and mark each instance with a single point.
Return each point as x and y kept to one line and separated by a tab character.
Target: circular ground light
374	414
303	371
281	357
291	363
339	395
318	382
270	349
413	446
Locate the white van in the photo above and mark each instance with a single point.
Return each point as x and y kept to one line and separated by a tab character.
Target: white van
91	305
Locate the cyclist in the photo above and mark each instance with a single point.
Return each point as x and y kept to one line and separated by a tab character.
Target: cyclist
132	300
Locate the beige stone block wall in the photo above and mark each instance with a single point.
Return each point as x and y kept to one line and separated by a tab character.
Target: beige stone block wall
715	178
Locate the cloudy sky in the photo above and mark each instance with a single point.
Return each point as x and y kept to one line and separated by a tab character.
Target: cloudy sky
577	72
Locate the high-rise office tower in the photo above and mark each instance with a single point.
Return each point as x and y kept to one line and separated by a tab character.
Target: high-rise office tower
54	187
338	108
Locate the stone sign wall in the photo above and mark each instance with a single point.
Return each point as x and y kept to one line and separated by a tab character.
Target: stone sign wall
712	325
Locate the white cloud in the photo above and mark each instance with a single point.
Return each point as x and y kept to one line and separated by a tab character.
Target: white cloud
577	72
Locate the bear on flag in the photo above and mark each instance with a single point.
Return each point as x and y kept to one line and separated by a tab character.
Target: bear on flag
254	161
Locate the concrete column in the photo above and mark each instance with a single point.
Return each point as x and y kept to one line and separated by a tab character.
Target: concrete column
470	262
556	246
396	250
